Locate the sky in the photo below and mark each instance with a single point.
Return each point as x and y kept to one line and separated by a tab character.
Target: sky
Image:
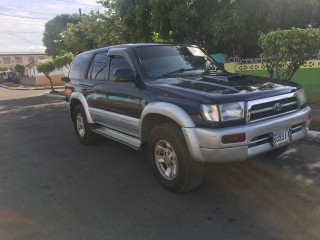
22	21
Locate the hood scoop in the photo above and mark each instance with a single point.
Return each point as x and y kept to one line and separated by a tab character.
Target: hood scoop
232	78
237	78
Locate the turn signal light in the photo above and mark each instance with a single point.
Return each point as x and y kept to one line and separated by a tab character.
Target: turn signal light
234	138
68	91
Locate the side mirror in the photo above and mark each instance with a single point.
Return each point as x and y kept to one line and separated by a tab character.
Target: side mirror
123	75
65	79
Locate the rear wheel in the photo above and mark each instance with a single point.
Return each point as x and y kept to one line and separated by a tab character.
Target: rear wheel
170	159
81	126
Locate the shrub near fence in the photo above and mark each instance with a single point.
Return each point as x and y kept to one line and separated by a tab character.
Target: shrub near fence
308	75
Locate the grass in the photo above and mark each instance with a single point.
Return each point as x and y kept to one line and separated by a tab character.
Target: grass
309	78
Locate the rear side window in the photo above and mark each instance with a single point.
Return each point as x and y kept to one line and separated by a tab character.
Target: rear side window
99	68
78	65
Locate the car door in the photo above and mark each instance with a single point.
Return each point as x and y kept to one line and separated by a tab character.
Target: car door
97	77
114	104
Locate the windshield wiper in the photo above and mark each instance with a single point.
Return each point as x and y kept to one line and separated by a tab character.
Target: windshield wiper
181	70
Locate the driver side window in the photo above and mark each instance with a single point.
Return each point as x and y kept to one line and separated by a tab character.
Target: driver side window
117	62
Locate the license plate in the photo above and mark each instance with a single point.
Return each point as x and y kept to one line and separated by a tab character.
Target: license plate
281	137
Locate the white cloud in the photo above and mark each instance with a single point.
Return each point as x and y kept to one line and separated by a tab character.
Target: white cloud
22	31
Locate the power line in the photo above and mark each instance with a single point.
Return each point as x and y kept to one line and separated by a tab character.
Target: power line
64	2
18	32
12	9
20	38
21	16
78	3
22	21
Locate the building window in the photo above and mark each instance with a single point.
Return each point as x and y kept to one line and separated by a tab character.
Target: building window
42	57
6	60
18	59
30	59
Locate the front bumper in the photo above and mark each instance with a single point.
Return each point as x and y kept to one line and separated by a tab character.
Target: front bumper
205	145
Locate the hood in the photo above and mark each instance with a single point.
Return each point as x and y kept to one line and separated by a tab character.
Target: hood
222	86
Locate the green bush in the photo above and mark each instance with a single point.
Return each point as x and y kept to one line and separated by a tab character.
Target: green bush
285	51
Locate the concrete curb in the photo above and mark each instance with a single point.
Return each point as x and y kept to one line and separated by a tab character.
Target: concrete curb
30	87
50	95
313	136
3	86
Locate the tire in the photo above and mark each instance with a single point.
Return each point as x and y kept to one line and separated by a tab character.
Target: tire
81	126
170	159
276	152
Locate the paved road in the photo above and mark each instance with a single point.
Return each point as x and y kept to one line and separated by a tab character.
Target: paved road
53	188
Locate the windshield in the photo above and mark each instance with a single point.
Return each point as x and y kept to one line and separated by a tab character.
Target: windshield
166	61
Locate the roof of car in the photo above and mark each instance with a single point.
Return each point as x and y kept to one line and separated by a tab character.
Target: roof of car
130	45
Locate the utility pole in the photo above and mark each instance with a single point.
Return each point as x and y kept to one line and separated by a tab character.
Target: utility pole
80	13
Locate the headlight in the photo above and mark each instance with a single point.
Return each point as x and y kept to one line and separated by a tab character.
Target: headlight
210	113
232	111
302	97
223	112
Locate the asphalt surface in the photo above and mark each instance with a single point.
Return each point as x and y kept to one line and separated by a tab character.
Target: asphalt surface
52	187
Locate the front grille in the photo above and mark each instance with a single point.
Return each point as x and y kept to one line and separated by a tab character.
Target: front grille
267	110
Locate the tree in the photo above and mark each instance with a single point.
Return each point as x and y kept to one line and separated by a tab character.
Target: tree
54	33
285	51
63	60
208	23
108	30
47	67
20	69
216	25
315	14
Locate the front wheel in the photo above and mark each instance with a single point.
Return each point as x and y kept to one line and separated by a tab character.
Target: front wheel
81	126
170	159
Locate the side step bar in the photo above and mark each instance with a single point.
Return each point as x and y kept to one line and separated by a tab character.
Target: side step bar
119	137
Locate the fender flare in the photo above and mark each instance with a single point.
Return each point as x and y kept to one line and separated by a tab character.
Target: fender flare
79	96
169	110
178	115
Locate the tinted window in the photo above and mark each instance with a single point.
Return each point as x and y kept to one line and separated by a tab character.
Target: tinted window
161	61
117	62
100	67
78	65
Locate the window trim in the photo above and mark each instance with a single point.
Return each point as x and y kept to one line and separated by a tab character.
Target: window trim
89	70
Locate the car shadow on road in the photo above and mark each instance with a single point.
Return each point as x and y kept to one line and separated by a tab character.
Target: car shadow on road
283	192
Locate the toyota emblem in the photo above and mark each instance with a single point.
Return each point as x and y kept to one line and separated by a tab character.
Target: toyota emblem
277	107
